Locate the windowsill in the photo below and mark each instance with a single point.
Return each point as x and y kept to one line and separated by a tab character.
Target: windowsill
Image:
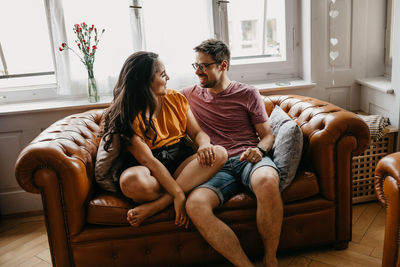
283	85
60	103
66	103
380	83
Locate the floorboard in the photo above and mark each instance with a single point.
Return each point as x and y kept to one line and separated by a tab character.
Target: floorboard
23	243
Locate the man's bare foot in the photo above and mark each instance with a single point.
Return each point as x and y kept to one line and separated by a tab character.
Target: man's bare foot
271	262
138	214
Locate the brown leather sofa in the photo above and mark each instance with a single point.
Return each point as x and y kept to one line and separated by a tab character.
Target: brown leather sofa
387	182
87	227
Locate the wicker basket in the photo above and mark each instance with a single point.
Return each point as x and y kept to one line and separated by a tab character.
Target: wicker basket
363	167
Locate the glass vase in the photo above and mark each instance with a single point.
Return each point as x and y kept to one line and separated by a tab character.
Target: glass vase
93	94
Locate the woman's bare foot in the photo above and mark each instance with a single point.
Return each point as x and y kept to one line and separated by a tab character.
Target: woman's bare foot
138	214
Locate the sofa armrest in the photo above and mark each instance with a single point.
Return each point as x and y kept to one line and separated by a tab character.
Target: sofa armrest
387	183
332	136
59	164
388	168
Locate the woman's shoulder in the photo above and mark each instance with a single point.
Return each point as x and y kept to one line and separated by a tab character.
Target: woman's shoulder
174	95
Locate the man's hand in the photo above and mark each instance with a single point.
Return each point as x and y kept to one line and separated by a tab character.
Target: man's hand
206	155
252	154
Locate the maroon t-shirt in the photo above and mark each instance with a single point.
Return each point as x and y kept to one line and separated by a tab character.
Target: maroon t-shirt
229	116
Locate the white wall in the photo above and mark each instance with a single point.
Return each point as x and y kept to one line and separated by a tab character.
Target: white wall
360	28
396	64
16	132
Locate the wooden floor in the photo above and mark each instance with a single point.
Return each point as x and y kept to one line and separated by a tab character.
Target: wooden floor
23	242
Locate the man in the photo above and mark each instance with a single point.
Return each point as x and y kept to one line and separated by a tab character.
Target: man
233	115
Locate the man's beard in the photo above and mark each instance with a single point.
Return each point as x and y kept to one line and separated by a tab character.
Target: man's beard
209	84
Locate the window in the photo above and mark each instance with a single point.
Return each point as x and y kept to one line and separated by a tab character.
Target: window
25	47
261	35
389	38
114	47
175	33
257	30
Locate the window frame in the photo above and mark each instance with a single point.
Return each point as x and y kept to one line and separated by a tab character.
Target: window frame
34	91
388	38
254	70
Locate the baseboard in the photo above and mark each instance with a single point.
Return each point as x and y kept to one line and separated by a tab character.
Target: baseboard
15	202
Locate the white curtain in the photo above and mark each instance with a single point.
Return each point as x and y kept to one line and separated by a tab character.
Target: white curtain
114	47
170	28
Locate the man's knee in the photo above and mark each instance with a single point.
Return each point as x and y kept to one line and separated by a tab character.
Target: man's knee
200	202
265	181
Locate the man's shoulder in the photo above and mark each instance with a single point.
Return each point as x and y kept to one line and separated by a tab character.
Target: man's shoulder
188	91
243	88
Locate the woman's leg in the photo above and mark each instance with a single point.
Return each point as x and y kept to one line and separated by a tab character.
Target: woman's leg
138	184
188	175
193	174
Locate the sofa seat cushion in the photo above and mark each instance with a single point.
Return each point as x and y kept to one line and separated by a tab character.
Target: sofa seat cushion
111	209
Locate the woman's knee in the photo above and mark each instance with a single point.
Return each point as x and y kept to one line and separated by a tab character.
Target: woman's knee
221	155
137	185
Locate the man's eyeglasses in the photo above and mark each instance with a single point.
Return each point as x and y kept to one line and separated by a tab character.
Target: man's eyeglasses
202	66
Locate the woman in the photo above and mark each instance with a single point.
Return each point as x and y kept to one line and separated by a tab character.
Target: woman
151	123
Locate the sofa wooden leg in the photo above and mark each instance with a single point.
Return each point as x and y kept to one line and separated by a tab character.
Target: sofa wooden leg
341	245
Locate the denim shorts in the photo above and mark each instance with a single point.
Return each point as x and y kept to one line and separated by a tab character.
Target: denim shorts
234	177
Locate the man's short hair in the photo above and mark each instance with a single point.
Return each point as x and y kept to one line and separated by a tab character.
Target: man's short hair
218	50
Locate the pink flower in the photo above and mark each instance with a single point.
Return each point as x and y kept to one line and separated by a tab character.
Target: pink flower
83	23
91	54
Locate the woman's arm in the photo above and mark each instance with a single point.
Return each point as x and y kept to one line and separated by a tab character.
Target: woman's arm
205	152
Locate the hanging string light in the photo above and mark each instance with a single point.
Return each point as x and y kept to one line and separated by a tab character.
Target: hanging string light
333	54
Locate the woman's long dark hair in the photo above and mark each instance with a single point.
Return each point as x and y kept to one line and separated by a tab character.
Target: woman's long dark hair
132	96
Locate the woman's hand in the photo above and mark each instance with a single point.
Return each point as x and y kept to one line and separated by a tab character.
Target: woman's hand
206	155
181	218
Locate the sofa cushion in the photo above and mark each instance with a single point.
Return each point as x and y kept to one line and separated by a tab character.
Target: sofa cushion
288	146
107	165
111	209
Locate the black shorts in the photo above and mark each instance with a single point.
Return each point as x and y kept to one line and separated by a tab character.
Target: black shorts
170	156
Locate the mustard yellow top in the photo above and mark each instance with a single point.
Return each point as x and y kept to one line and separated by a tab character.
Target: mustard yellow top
170	123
